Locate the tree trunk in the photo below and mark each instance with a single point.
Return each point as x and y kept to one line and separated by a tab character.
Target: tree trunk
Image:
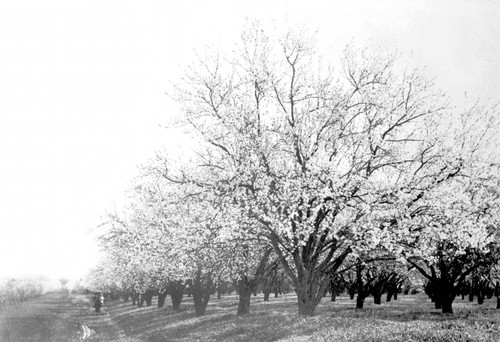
389	296
176	290
135	298
202	286
360	287
244	296
246	287
480	298
395	294
447	305
360	300
310	293
162	295
148	297
277	284
309	273
437	302
445	294
267	287
377	299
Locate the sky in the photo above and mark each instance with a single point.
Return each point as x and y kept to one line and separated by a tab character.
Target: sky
83	95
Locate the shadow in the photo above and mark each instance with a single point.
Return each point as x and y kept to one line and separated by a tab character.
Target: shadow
275	319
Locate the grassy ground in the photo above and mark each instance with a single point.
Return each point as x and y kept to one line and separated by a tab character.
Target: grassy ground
56	317
411	318
63	317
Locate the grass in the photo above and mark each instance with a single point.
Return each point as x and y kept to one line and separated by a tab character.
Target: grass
410	318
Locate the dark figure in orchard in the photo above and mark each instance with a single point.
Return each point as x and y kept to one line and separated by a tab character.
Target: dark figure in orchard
98	302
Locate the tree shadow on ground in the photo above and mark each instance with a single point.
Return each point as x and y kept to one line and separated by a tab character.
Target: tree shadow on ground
277	319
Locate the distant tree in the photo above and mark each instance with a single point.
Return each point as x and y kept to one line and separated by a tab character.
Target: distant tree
63	282
454	236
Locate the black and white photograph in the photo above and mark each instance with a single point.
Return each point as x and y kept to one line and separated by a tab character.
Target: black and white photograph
240	171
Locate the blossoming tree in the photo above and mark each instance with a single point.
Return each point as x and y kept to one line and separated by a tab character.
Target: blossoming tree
310	154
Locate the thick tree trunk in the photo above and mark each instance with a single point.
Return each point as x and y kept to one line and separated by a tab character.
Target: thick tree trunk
395	294
244	297
310	293
176	291
445	293
246	287
148	297
377	299
202	287
437	302
389	296
311	271
480	297
267	287
360	287
162	295
447	305
335	288
360	300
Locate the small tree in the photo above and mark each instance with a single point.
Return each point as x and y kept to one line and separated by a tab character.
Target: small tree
63	282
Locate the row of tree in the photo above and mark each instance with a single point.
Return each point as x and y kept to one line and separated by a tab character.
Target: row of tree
19	290
363	169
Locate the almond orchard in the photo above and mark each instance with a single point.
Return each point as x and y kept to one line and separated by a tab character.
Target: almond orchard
353	174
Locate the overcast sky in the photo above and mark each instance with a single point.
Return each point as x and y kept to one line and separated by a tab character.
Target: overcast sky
82	94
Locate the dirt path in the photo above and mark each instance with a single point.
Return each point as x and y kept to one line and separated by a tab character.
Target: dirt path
57	317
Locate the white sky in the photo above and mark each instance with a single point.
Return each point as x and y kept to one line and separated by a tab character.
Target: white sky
82	94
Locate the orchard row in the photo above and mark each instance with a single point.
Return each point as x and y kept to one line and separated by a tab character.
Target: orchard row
315	171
